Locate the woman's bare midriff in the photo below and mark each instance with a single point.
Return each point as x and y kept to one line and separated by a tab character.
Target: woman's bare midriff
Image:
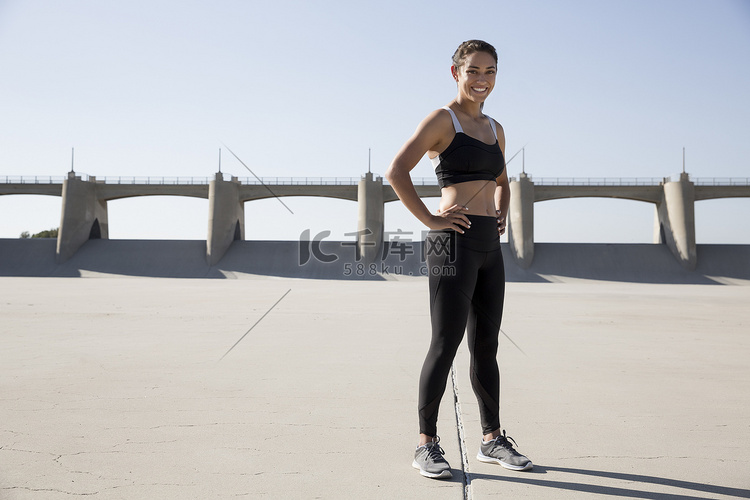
477	196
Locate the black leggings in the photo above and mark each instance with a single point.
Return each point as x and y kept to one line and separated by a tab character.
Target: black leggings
467	290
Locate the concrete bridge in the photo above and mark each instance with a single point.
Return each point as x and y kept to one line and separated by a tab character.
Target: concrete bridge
84	204
674	200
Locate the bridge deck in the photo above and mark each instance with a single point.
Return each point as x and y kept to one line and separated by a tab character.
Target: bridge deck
252	188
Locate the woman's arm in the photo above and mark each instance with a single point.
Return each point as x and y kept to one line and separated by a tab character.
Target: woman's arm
430	134
502	191
502	201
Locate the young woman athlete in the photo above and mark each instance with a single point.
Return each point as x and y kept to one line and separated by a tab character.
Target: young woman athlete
465	264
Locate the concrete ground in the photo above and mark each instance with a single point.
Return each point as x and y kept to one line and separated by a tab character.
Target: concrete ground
115	388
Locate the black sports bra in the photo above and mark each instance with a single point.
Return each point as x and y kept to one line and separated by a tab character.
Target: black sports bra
468	159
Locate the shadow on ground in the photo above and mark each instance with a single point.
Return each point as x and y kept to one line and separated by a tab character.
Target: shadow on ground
687	490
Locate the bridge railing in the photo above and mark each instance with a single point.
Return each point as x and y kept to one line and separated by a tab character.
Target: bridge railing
350	181
721	181
327	181
301	181
598	181
29	179
40	179
155	180
419	181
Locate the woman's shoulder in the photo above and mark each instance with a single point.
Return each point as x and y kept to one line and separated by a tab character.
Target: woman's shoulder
500	134
439	121
497	123
499	128
440	114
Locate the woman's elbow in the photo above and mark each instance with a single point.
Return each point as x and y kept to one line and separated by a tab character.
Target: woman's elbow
392	173
388	175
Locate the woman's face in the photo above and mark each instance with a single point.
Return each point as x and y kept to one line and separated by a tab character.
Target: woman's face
476	77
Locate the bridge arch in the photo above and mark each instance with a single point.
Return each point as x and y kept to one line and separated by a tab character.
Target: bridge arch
722	221
148	217
288	217
268	195
124	196
594	217
30	213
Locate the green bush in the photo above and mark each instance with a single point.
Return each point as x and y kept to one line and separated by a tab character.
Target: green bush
50	233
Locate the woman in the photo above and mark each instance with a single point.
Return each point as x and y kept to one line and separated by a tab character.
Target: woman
466	272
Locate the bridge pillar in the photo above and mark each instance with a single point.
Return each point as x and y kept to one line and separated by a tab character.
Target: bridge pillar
83	217
370	223
659	236
676	212
521	220
226	217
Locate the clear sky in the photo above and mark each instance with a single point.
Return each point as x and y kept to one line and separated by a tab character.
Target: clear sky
593	88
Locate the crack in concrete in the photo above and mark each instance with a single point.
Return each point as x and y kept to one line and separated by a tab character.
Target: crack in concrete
56	490
466	479
148	443
29	451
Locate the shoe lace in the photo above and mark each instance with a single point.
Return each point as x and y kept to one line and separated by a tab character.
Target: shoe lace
434	451
503	441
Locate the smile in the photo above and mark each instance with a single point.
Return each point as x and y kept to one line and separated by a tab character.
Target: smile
479	90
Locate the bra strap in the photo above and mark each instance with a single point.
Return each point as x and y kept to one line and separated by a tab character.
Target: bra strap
456	124
492	125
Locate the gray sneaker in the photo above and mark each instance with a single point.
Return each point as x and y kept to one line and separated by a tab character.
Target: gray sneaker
430	461
500	451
